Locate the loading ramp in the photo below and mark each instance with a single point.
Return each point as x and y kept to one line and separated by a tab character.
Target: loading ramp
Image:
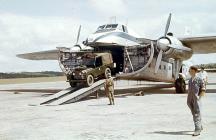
71	95
59	95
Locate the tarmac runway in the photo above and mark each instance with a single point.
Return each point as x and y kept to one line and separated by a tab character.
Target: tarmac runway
154	116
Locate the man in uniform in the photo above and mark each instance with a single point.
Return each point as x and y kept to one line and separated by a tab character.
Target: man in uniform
196	89
109	88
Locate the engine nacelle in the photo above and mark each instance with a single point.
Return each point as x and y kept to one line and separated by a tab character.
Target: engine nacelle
173	48
178	54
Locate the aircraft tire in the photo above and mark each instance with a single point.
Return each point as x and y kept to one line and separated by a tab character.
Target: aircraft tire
179	89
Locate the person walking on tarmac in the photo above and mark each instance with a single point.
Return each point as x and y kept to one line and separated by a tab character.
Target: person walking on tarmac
196	90
109	88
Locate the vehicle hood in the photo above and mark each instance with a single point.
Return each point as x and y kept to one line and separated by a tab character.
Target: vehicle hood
87	70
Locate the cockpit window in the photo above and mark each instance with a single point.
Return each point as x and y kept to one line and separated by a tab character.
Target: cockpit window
101	27
124	28
111	26
114	25
105	28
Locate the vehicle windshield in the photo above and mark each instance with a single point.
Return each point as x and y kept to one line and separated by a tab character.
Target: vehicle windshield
105	28
89	62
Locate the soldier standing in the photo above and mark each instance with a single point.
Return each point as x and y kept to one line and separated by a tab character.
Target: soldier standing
196	89
109	89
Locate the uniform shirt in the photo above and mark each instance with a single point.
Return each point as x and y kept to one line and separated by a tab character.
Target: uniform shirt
195	86
203	75
109	84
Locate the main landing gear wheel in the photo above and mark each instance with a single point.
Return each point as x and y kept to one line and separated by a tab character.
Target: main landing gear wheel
180	87
90	80
107	70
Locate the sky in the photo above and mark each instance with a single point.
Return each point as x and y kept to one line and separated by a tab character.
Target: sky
38	25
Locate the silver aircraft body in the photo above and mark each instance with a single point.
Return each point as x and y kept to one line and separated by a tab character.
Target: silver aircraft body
137	58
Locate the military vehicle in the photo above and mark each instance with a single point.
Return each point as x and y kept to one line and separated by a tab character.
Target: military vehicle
84	68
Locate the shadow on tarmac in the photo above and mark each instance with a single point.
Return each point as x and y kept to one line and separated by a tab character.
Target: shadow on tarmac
174	133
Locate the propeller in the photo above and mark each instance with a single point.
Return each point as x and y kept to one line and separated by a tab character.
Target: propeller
77	47
163	44
158	61
167	25
78	35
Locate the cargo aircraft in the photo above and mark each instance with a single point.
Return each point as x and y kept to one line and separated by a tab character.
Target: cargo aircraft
135	58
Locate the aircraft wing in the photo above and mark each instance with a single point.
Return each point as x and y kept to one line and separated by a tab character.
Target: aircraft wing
200	45
145	40
43	55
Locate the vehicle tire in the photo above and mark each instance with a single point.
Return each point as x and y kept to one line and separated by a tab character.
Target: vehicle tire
73	84
90	80
107	70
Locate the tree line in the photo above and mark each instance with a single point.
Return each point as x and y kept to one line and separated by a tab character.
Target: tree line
30	74
207	66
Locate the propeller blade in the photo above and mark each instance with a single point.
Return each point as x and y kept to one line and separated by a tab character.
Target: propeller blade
78	35
168	24
158	61
152	45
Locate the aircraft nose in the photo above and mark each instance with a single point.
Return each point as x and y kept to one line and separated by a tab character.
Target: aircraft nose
90	39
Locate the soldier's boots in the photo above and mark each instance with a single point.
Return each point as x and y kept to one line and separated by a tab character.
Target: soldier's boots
196	132
111	102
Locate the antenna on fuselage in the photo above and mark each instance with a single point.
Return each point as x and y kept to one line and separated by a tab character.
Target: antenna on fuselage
113	19
126	24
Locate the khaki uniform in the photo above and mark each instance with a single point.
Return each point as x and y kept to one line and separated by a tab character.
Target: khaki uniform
109	89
